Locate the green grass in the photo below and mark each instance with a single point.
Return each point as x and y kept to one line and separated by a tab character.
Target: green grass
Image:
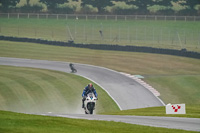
42	91
185	86
23	123
162	34
192	111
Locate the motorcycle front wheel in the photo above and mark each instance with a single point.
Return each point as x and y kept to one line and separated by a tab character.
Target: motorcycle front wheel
91	111
90	107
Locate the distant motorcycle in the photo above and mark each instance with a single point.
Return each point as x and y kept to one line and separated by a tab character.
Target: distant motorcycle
90	103
72	68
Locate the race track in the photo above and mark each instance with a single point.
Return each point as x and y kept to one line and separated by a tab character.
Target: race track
127	93
191	124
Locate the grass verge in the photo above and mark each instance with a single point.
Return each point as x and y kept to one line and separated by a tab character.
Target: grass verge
177	88
41	91
161	34
192	111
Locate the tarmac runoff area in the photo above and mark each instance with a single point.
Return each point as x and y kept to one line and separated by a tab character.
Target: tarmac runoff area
190	124
124	90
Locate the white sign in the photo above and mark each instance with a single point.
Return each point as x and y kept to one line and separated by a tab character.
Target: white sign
175	109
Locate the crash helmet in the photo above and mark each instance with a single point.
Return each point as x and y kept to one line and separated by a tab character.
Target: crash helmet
70	64
90	86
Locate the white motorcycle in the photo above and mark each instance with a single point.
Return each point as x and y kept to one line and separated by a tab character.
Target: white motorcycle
90	103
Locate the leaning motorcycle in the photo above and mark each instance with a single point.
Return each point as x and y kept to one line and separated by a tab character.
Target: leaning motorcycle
90	103
73	69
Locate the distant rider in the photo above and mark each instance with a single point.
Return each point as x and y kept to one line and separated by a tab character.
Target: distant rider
88	89
72	67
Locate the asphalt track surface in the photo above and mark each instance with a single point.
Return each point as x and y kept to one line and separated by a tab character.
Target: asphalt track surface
190	124
127	93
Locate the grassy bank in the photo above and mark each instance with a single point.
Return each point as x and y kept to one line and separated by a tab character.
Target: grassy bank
192	111
184	86
161	71
164	34
41	91
23	123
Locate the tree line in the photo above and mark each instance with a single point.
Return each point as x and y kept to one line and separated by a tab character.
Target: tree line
127	7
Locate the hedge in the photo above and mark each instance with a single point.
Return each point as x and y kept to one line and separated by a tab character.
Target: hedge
182	52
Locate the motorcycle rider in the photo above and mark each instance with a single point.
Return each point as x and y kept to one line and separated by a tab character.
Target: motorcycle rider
71	67
88	89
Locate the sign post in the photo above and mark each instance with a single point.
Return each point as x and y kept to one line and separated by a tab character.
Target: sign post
175	109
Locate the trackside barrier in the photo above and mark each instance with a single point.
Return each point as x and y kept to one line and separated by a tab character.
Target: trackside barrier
175	109
98	17
182	52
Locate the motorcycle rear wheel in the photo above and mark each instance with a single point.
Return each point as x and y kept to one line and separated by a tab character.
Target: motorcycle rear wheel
74	70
